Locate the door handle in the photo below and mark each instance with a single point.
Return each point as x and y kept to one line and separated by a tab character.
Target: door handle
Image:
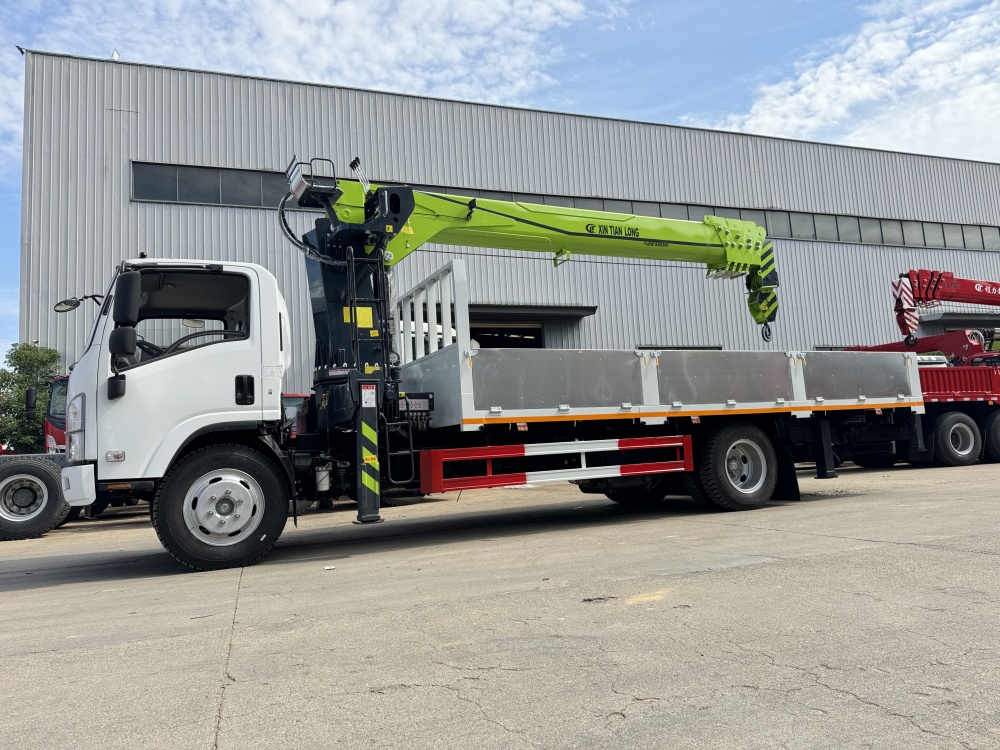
244	390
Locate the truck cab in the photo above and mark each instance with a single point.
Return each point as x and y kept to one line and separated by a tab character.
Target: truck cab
180	352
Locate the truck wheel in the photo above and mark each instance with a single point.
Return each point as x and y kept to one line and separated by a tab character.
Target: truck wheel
692	486
739	468
72	515
30	498
220	507
649	495
991	438
957	441
875	460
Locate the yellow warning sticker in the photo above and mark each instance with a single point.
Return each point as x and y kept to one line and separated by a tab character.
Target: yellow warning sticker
373	333
388	228
407	229
369	369
364	317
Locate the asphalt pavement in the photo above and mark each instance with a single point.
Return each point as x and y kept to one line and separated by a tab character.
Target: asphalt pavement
864	616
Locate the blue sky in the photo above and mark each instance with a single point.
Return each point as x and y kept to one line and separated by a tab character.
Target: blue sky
911	75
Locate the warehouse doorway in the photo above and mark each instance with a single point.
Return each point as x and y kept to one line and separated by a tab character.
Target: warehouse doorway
499	334
523	326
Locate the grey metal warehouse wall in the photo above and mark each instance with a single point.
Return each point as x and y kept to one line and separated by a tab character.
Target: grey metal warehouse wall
87	120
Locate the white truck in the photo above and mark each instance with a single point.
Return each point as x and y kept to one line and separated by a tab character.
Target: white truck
177	396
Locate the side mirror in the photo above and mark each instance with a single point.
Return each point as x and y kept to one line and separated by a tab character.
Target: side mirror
122	342
30	402
127	291
116	387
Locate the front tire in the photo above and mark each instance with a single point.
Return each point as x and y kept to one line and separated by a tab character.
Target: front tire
31	501
957	441
220	507
739	468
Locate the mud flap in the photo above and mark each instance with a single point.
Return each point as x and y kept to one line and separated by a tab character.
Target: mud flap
787	488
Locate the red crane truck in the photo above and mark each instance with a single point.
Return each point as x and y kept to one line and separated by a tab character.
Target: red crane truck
961	388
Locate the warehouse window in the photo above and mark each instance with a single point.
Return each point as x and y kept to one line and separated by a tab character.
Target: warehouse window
173	183
826	228
590	204
643	208
802	226
913	234
973	237
933	234
953	236
991	238
777	224
673	211
558	200
847	228
698	213
871	231
154	182
892	232
728	213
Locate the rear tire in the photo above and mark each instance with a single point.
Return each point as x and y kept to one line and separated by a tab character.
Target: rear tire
220	507
957	441
739	468
30	498
991	438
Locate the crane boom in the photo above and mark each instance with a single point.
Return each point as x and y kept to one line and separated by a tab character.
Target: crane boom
395	221
923	289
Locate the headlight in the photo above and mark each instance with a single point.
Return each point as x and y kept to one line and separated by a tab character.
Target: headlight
74	414
74	447
74	429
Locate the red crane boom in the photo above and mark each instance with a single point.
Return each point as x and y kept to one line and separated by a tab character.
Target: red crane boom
923	289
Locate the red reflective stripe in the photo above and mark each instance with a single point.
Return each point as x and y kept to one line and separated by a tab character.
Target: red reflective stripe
658	467
470	454
653	442
480	483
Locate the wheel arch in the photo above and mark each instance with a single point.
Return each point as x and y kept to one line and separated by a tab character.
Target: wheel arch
241	433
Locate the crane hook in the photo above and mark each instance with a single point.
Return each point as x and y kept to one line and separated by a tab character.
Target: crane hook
765	332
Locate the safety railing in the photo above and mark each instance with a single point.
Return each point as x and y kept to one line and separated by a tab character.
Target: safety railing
434	314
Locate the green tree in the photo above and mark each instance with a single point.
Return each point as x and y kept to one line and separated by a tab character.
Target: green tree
28	366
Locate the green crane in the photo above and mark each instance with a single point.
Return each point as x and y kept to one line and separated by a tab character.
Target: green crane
397	220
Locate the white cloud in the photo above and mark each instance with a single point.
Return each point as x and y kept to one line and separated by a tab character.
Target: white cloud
484	50
919	76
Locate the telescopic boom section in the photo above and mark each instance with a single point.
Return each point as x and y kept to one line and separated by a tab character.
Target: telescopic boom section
397	220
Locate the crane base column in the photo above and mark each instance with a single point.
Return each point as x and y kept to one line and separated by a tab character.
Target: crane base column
369	497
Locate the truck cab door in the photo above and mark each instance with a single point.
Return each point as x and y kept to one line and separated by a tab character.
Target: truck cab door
197	368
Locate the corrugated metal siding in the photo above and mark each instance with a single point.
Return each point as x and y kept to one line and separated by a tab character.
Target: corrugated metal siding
85	120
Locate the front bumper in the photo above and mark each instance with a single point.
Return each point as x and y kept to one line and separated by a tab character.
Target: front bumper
78	484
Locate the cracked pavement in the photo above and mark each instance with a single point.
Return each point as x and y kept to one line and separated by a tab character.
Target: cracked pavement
863	616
